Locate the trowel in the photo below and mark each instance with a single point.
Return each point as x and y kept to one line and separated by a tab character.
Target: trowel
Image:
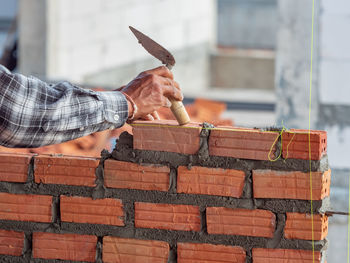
159	52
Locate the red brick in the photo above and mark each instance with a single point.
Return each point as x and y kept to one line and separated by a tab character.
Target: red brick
198	253
64	246
133	176
291	185
35	208
14	167
166	135
78	209
210	181
242	222
69	170
167	216
242	143
11	242
265	255
295	144
299	226
124	250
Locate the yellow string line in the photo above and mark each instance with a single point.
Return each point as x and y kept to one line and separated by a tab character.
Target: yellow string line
199	127
279	155
349	224
208	128
310	164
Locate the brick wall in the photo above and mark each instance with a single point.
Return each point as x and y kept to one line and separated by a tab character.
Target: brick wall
223	198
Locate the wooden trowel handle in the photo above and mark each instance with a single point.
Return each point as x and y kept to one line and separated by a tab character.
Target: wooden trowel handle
178	108
179	111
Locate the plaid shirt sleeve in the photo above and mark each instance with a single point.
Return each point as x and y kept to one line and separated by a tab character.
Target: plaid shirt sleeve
34	113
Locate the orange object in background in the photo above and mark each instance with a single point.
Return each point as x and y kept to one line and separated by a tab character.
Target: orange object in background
90	145
202	110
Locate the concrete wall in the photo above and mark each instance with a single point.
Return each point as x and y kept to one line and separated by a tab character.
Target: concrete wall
8	11
330	92
335	79
335	52
292	78
90	39
247	24
243	69
246	34
33	37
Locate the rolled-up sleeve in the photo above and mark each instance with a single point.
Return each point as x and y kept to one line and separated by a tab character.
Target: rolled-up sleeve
34	113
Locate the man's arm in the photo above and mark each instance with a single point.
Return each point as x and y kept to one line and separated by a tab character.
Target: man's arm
34	113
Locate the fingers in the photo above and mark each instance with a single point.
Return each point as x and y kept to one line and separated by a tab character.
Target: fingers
166	102
169	82
172	93
151	90
155	115
168	87
171	89
161	71
148	117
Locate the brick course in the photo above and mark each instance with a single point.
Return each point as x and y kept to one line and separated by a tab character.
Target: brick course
299	226
122	250
197	253
166	216
291	184
65	170
11	242
14	167
166	136
295	144
210	181
106	211
265	255
64	246
243	143
134	176
243	222
36	208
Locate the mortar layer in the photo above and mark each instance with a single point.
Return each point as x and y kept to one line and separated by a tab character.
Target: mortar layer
124	151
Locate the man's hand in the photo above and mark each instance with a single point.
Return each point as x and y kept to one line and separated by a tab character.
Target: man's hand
151	90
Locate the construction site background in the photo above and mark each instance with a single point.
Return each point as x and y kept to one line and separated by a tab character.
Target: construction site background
248	59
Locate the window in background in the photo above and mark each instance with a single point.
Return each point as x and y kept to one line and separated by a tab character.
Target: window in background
246	40
8	12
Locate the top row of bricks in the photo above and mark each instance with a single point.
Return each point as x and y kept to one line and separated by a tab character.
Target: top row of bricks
242	143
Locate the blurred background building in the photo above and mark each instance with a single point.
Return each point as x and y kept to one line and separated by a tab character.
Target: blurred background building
251	56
